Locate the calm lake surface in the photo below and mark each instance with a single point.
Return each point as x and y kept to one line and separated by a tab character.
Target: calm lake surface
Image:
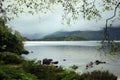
77	53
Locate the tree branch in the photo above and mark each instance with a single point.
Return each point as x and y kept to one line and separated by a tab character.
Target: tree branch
106	32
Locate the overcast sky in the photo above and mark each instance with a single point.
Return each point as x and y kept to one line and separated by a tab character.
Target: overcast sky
52	22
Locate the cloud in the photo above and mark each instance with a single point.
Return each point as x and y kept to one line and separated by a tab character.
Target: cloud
52	22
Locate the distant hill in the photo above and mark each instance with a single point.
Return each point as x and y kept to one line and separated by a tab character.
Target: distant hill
114	33
33	36
81	35
88	35
63	38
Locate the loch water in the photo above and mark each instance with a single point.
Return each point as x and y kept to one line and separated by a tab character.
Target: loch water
70	53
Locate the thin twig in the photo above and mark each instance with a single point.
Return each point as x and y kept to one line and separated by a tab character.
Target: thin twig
106	32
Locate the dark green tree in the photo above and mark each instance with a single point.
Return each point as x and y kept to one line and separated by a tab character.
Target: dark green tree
10	41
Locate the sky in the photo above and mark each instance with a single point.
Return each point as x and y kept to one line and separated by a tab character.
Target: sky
52	22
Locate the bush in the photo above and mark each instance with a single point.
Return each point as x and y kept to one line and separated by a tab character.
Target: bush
43	72
98	75
68	75
31	70
10	58
13	73
51	72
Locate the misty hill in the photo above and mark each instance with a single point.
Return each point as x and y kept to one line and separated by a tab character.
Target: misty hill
33	36
63	38
81	35
87	35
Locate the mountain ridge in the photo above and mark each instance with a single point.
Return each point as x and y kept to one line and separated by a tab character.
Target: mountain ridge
84	35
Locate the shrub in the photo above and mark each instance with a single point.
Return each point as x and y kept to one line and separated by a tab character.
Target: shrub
51	72
68	75
13	73
10	58
98	75
43	72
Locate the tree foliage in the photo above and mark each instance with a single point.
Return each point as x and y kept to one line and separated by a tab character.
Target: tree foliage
90	9
10	41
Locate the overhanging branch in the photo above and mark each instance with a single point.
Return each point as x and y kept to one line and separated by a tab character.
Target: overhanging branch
106	32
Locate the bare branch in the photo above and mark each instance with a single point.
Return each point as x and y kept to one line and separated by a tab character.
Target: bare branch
106	32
